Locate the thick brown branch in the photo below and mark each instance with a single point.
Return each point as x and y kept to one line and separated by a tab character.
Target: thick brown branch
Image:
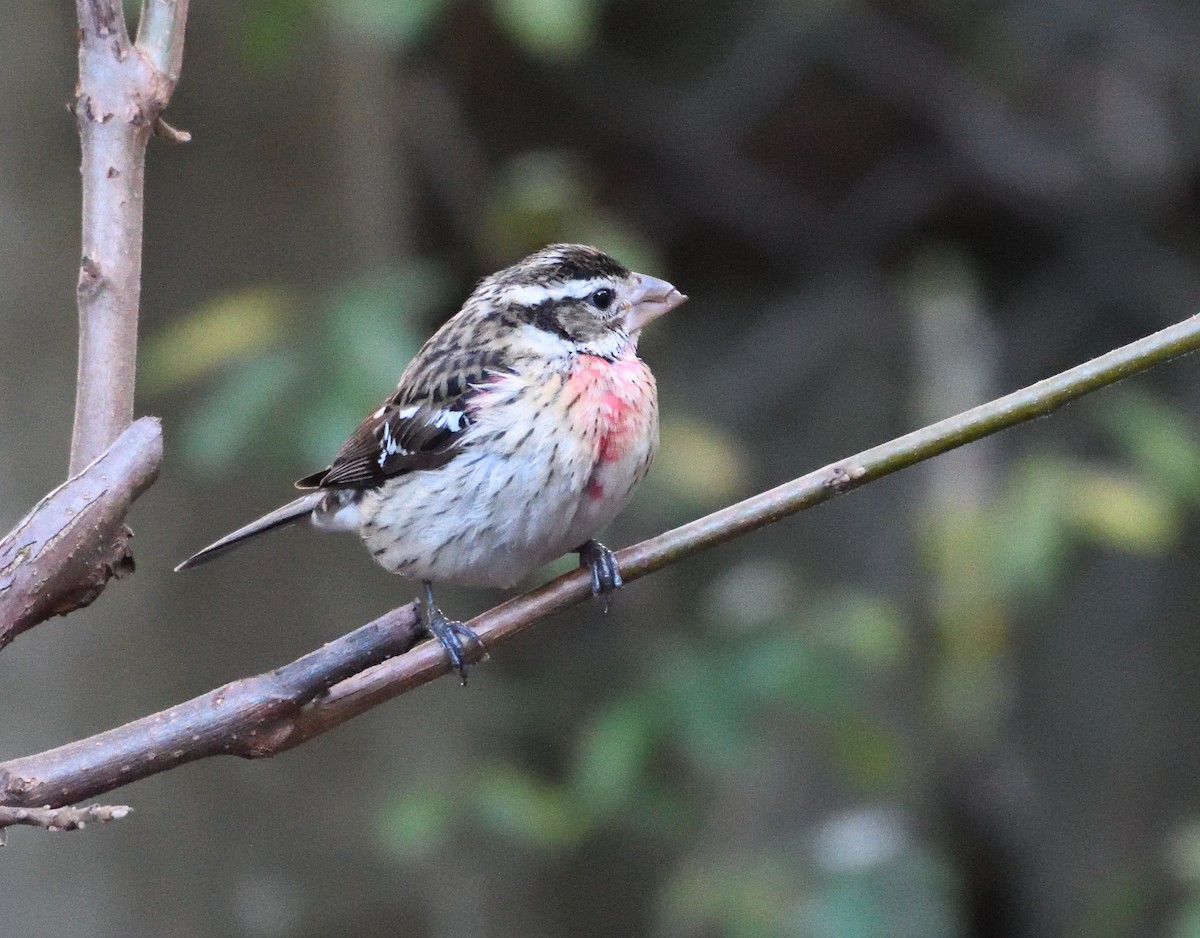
101	18
60	555
61	819
120	95
274	712
242	718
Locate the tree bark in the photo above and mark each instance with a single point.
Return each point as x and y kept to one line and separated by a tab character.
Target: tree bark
122	91
59	556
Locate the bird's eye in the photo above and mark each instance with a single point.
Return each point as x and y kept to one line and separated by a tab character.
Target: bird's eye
602	298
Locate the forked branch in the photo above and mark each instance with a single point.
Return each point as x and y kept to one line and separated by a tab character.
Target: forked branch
61	555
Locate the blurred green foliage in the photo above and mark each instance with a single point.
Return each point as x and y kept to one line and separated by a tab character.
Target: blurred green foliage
894	889
550	30
543	196
227	329
260	349
706	708
399	23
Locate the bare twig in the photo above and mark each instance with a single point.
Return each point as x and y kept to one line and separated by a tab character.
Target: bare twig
268	714
61	819
60	555
165	131
122	91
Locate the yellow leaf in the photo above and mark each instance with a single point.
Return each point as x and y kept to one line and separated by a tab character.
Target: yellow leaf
224	329
1123	511
699	463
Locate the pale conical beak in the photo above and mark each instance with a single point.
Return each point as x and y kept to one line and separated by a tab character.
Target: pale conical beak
650	298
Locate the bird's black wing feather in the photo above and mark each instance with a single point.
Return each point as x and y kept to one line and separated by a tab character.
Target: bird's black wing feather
422	425
394	440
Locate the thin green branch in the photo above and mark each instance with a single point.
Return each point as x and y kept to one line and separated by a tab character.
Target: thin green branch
423	664
264	715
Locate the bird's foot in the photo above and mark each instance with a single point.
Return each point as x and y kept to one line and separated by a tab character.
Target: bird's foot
453	636
606	575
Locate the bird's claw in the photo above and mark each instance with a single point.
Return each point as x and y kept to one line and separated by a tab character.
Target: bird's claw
454	637
606	574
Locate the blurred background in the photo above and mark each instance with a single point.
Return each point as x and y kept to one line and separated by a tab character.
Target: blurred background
961	702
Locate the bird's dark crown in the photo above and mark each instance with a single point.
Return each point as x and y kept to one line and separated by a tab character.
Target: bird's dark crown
560	263
571	291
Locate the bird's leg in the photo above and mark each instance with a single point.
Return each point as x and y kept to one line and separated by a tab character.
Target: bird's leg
449	634
602	562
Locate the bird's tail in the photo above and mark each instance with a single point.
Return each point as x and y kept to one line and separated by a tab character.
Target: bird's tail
279	518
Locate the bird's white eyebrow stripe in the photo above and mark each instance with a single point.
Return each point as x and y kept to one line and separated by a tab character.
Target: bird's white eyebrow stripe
535	294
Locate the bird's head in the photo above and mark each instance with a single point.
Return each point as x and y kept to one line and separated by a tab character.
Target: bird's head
580	298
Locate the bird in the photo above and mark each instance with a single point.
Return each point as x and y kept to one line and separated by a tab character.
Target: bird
516	434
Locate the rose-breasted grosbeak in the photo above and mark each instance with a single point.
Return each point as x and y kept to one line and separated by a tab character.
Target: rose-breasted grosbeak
519	431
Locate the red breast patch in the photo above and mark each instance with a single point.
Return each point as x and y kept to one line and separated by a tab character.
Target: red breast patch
612	397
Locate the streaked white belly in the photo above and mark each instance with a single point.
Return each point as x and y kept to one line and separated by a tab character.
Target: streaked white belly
535	482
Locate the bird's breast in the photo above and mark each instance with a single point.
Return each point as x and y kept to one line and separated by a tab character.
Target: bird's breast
614	407
549	460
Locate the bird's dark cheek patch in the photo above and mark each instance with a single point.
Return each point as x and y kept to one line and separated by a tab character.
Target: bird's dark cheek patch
545	317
